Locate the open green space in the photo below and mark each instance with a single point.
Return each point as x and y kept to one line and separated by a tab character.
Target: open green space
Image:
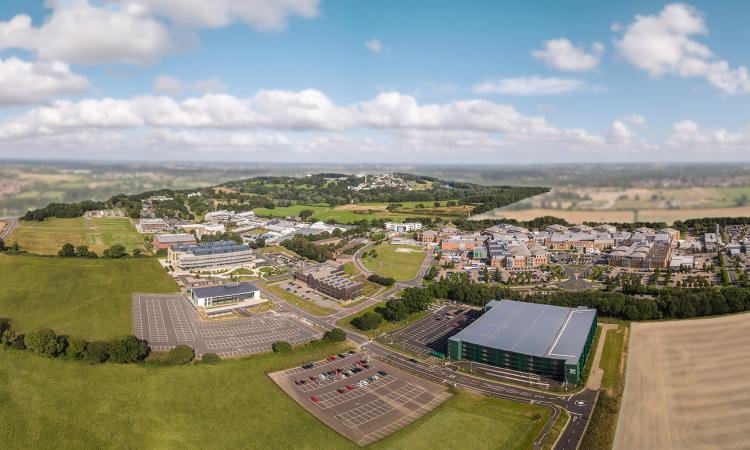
66	404
472	421
400	262
601	430
307	305
48	236
89	298
385	326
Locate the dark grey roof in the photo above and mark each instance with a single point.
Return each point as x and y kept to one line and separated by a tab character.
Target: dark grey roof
532	329
212	248
244	287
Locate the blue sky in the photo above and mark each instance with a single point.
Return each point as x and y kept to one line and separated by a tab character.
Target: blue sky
385	81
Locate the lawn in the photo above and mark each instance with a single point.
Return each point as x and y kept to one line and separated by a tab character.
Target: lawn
48	236
402	265
80	297
385	326
67	404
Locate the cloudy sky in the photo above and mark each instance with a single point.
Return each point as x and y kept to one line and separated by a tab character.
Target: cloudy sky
374	81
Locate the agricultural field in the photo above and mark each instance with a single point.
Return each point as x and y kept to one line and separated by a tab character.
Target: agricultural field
602	204
89	298
133	406
46	237
680	392
400	262
367	211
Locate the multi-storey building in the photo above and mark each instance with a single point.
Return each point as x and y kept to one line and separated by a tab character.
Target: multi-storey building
210	255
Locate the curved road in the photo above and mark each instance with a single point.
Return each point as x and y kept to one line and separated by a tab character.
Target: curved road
579	405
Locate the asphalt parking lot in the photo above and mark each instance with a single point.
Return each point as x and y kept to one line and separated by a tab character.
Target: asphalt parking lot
363	413
165	320
431	333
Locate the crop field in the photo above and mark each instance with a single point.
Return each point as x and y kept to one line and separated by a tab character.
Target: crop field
680	392
577	205
46	237
367	211
89	298
400	262
120	406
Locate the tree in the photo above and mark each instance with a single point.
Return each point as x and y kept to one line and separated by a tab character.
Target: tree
281	347
44	342
67	251
127	350
97	352
385	281
76	348
437	204
115	252
82	251
305	214
367	321
137	252
335	335
180	355
2	244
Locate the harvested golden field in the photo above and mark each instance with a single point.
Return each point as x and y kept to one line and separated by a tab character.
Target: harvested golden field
571	216
687	385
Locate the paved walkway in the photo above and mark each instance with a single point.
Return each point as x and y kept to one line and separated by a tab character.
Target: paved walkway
595	377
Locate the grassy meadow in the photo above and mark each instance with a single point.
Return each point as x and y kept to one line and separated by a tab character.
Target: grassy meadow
89	298
46	237
400	262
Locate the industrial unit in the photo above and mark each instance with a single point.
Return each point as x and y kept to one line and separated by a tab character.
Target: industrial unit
547	340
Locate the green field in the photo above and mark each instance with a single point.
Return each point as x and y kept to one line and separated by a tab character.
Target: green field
66	404
80	297
385	326
48	236
400	265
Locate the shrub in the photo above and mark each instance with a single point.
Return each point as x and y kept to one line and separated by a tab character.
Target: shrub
97	352
335	335
367	321
180	355
44	342
76	348
281	347
127	350
211	358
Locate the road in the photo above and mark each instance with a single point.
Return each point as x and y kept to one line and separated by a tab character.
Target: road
579	405
10	224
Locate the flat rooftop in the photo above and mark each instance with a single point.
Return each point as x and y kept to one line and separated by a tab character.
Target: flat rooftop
244	287
538	330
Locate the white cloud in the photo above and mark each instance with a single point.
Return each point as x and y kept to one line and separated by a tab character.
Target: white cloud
168	85
262	15
688	135
211	85
620	132
662	44
635	119
374	45
31	82
527	86
78	32
563	55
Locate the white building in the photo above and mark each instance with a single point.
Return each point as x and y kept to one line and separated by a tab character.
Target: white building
210	255
403	227
244	293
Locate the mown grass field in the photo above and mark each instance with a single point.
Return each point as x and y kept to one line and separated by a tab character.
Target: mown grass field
401	265
66	404
46	237
368	211
80	297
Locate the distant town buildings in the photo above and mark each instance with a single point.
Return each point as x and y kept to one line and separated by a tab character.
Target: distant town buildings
406	227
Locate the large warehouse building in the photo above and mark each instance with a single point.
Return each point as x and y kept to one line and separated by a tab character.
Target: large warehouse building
547	340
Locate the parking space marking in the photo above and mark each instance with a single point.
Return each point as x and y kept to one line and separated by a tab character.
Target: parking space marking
137	318
334	398
235	342
182	328
370	411
157	331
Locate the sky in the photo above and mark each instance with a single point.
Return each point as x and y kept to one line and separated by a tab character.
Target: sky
383	81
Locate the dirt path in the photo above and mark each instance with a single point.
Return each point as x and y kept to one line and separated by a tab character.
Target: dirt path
595	377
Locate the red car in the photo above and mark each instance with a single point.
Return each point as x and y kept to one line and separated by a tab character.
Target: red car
350	387
315	399
340	390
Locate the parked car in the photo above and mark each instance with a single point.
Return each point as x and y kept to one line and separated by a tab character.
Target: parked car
383	373
315	399
350	387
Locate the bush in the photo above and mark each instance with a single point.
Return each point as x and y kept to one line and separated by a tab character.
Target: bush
45	342
127	350
281	347
385	281
335	335
76	348
367	321
97	352
115	252
180	355
211	358
67	251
